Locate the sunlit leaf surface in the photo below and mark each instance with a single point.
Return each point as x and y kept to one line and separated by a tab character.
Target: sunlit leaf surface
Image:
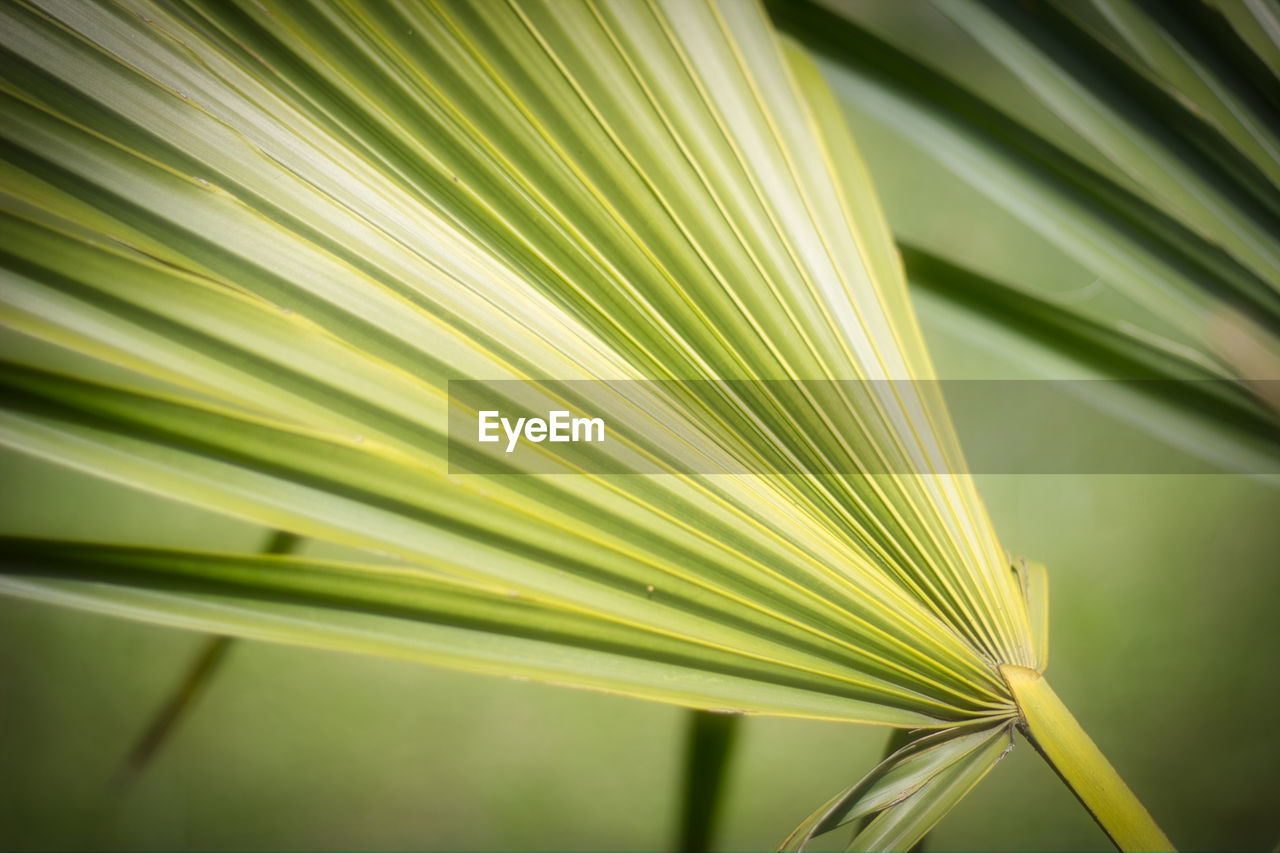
295	225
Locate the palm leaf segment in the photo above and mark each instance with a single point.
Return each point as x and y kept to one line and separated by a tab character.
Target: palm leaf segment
263	240
1162	178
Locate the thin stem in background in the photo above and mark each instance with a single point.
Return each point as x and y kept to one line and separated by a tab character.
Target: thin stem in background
710	748
202	669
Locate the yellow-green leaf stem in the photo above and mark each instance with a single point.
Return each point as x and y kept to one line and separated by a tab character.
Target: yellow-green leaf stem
1055	733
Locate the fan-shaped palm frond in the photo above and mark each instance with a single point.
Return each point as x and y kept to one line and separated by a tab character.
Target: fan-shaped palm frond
267	238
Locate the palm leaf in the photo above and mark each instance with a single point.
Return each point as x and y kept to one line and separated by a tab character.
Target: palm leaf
904	796
1173	155
1152	384
270	237
1189	275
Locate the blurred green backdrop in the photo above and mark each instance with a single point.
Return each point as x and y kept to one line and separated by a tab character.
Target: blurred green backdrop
1163	642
